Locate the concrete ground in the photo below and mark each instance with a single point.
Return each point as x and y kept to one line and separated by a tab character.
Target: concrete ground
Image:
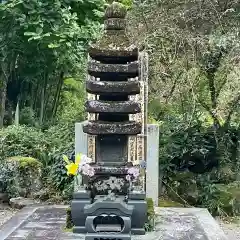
231	228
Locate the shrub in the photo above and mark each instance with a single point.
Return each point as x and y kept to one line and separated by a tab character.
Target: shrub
21	176
47	146
22	141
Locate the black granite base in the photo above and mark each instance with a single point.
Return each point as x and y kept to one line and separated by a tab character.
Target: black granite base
47	223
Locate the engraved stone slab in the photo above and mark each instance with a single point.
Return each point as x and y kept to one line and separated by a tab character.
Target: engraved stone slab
47	222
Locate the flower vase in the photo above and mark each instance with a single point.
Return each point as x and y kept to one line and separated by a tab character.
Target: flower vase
78	182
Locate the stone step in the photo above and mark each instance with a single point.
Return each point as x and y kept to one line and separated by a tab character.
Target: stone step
107	236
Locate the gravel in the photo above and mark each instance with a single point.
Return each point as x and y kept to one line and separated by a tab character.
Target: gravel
6	213
231	228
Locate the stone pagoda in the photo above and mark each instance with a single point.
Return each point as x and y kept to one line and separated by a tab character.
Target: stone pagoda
108	206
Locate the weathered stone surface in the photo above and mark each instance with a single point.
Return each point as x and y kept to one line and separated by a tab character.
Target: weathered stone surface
98	106
113	88
121	128
115	24
116	10
21	202
114	46
152	173
117	170
98	69
27	173
109	53
47	222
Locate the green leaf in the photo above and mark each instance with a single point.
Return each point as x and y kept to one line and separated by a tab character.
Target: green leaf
53	45
29	33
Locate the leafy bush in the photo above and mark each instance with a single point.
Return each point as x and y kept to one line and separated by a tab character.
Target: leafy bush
21	176
48	146
61	137
221	199
22	141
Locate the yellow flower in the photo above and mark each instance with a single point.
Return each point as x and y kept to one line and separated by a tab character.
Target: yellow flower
72	168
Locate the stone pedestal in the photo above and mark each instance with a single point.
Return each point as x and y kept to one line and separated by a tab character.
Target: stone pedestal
152	173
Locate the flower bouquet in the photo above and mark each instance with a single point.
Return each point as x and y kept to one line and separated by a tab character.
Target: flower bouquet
81	167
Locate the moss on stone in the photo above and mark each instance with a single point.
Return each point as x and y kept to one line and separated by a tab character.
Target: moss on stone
169	203
68	229
116	10
113	43
150	224
26	162
69	222
27	172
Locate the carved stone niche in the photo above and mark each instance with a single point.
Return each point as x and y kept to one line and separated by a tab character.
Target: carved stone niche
111	150
108	219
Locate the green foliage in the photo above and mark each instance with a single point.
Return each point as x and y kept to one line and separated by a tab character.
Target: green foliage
221	199
71	107
47	146
61	138
26	163
22	141
193	76
27	116
127	3
21	176
58	33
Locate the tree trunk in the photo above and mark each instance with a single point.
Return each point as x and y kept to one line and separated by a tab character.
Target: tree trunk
43	99
3	94
16	118
57	95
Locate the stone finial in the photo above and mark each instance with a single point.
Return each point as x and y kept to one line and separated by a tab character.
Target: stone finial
115	17
114	42
116	10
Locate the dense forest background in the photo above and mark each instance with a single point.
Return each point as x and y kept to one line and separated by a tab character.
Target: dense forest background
194	89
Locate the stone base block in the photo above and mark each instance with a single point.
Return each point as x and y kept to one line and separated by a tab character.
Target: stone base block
48	222
105	236
80	200
139	216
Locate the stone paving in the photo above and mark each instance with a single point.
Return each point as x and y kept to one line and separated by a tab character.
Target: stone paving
47	223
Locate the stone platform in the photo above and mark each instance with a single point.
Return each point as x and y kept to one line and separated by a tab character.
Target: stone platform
47	223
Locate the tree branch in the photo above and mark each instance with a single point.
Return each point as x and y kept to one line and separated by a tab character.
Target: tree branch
232	107
210	111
